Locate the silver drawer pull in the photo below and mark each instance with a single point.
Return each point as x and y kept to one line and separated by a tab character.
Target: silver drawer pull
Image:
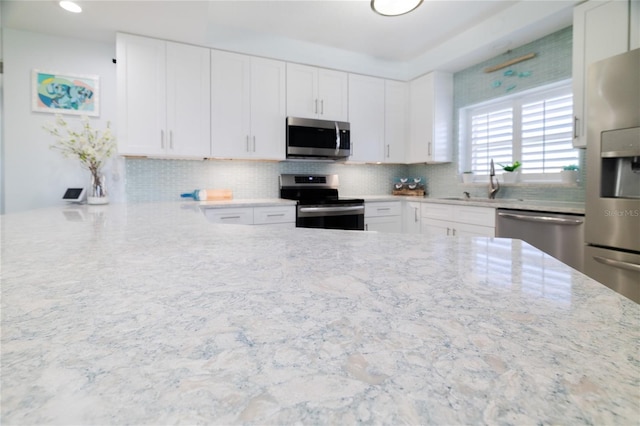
617	263
229	217
275	215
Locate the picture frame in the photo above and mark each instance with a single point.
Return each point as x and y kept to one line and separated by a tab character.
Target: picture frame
62	93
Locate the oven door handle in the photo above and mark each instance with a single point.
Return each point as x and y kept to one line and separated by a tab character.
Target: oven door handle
337	137
331	209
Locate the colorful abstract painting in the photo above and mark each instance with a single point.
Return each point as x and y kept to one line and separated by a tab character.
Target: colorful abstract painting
65	94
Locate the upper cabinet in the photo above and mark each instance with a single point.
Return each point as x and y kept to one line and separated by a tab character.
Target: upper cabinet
316	93
247	106
366	118
378	114
396	121
431	117
600	29
163	98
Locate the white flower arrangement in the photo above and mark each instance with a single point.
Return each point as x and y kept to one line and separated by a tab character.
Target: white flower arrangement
90	146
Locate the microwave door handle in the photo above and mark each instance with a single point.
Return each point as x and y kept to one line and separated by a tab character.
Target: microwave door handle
337	137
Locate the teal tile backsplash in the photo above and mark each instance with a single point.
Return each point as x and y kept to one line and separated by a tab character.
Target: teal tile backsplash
164	180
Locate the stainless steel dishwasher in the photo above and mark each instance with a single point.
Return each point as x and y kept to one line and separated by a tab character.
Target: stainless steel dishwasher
559	235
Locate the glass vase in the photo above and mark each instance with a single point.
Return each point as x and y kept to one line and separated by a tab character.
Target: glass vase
98	190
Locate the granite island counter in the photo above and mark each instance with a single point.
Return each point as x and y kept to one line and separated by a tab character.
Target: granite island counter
149	314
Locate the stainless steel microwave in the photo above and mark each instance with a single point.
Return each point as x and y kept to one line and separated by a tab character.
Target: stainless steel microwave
317	139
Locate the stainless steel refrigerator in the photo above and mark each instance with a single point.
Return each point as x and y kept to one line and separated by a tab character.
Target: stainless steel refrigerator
612	222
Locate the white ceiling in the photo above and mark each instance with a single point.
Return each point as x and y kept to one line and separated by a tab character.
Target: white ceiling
345	34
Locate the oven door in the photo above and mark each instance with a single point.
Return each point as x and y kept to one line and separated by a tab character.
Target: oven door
330	216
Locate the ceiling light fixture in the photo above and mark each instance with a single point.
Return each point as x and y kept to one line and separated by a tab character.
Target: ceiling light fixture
70	6
394	7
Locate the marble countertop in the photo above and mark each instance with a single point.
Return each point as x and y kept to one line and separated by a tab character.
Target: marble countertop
148	314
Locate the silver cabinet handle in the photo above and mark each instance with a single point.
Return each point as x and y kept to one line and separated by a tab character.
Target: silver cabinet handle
454	232
322	107
544	219
275	215
448	229
415	214
162	139
254	143
382	209
229	217
429	149
617	263
315	108
247	143
170	139
576	120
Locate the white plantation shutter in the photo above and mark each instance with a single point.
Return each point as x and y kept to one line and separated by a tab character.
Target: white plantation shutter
491	137
547	132
534	128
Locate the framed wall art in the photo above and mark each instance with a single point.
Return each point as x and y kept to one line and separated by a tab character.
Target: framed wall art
65	93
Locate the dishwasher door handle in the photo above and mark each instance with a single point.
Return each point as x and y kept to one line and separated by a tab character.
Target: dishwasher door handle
543	219
617	263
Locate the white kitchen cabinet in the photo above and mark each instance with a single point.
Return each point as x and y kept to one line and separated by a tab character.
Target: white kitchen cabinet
283	216
317	93
396	121
247	106
163	98
411	217
431	118
366	118
383	216
601	29
457	220
233	215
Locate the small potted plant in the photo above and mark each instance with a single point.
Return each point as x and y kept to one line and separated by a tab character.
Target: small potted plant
569	174
467	176
511	173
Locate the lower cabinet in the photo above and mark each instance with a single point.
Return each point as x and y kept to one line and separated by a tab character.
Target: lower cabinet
411	218
456	220
284	216
383	216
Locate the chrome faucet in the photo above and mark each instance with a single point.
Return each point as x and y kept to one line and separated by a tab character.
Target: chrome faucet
493	187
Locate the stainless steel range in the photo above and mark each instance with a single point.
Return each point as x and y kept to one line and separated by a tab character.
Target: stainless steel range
319	205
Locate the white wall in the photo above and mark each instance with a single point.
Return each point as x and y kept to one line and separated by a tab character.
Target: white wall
35	176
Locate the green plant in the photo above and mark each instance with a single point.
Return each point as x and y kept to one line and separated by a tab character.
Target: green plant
510	167
571	167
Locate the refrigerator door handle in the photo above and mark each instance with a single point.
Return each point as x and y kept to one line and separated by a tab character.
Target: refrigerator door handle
617	263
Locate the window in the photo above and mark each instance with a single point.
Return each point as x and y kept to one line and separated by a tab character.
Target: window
534	127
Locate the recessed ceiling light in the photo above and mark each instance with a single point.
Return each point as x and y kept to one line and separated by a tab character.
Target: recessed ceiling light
70	6
394	7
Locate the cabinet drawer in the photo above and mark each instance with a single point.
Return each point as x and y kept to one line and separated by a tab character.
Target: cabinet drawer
483	216
389	208
267	215
437	211
241	215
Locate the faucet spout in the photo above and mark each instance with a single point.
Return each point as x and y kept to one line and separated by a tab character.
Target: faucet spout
494	187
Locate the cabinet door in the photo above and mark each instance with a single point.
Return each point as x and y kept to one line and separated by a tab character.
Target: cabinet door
434	227
411	218
383	224
141	76
431	112
333	95
366	117
230	105
396	119
302	91
188	101
274	215
268	109
472	215
466	230
600	30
